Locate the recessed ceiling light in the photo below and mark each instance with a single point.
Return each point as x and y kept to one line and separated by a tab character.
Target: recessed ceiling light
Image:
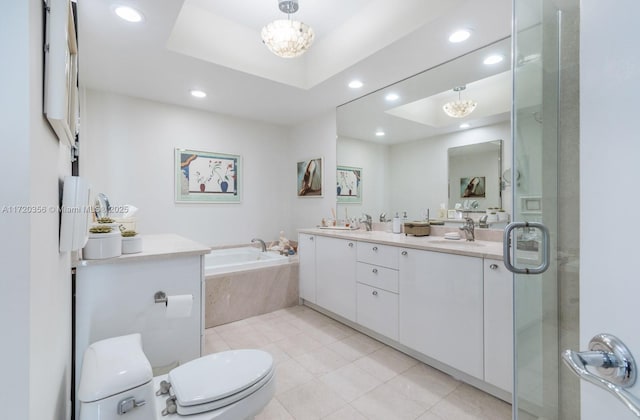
465	125
392	97
493	59
198	93
128	13
355	84
379	133
460	35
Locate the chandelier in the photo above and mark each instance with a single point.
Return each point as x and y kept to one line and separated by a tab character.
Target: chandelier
285	37
459	108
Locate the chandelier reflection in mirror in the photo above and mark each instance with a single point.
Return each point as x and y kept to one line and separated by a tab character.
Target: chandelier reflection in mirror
285	37
459	108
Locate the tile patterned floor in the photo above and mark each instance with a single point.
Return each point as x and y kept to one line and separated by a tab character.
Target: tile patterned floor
326	370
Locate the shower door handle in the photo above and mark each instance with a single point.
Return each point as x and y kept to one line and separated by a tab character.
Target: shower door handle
616	368
506	248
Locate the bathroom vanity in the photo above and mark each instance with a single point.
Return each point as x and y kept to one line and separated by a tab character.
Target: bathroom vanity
447	303
115	297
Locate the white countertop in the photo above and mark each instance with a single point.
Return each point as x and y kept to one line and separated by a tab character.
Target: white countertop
478	248
156	246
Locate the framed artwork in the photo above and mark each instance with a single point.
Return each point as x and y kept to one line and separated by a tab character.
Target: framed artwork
309	180
206	177
349	184
61	105
473	187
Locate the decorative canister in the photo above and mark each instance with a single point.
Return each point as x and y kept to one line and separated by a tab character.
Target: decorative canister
131	244
103	245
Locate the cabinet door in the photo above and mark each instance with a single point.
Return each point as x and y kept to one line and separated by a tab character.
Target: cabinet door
307	267
441	308
498	325
336	276
378	310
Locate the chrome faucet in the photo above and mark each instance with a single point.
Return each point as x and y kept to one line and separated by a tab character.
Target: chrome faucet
263	246
468	229
367	221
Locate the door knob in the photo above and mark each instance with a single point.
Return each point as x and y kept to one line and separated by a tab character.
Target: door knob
615	366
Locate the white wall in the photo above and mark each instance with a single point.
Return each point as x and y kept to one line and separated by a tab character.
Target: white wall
314	138
609	151
14	258
36	280
373	158
128	154
428	159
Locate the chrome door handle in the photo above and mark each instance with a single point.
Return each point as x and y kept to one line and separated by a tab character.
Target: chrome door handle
615	366
506	248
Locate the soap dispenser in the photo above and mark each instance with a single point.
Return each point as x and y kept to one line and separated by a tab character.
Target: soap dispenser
404	220
396	224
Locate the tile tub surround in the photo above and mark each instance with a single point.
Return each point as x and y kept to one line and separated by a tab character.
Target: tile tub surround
235	296
326	370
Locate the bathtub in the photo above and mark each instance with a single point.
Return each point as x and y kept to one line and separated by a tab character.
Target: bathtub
230	260
243	282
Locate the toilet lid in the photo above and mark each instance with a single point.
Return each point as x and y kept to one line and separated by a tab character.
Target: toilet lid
219	376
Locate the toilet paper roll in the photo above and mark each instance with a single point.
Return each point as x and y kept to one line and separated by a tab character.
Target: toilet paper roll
179	306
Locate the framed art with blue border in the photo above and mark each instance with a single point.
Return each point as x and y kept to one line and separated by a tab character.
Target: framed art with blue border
207	177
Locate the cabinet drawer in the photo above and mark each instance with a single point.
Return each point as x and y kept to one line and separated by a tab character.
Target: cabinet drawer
378	310
376	276
384	255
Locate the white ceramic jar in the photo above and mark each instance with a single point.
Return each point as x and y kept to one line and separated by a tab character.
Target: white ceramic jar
131	244
103	245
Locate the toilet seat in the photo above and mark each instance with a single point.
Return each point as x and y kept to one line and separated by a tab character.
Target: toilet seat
219	379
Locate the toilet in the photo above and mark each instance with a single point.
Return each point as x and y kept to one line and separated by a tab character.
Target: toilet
117	383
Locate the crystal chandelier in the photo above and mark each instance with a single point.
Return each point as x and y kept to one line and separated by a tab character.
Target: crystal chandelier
285	37
460	108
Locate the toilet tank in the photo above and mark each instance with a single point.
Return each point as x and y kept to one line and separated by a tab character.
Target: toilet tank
116	379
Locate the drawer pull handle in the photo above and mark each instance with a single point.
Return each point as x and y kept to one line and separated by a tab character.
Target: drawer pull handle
375	248
405	253
350	244
311	238
493	266
375	271
374	293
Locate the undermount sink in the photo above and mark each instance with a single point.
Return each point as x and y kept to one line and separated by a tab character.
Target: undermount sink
459	242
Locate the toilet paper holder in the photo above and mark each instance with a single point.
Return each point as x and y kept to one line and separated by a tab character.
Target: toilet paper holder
160	297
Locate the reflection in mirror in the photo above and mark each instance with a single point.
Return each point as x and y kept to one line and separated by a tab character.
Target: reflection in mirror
474	176
400	136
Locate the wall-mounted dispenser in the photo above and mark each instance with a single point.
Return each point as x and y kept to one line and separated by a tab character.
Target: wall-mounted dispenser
75	211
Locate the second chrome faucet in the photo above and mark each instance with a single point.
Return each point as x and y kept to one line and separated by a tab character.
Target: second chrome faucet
469	229
263	246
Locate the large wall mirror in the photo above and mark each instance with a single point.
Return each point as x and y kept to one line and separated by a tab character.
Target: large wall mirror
402	140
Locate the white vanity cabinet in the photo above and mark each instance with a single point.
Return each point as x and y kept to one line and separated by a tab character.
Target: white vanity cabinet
448	305
441	308
336	275
307	271
377	288
498	325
